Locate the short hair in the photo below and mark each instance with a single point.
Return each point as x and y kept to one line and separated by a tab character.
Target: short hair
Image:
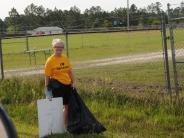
57	42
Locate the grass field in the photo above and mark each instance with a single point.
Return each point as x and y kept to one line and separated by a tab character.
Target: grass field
116	40
133	104
130	100
86	46
83	46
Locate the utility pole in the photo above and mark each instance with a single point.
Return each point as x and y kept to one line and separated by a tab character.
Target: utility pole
128	15
1	58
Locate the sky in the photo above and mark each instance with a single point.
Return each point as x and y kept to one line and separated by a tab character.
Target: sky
107	5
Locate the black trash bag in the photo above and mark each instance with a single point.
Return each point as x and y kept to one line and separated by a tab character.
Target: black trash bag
80	119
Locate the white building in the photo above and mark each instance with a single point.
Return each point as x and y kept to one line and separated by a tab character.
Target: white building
46	30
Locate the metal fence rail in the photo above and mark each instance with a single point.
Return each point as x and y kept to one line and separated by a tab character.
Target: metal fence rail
175	33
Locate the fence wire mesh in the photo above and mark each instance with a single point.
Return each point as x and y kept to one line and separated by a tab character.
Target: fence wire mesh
179	54
133	58
176	18
122	68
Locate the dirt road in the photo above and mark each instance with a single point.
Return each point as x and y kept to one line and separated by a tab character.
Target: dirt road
130	59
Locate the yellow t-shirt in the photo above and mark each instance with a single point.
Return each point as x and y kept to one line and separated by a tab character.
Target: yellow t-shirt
58	68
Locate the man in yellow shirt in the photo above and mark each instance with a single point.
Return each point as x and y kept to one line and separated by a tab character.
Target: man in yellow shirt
59	76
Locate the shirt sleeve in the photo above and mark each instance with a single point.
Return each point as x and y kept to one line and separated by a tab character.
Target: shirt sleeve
47	70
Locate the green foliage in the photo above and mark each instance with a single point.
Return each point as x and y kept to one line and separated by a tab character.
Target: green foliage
21	90
37	16
95	16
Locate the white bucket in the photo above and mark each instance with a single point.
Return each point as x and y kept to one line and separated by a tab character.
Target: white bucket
50	116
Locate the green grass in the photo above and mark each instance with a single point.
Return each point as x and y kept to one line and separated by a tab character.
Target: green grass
133	104
114	40
125	119
126	42
84	46
130	73
121	114
129	100
24	60
113	44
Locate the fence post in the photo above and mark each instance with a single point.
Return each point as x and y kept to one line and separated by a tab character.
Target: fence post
67	50
27	41
165	53
173	52
1	58
27	44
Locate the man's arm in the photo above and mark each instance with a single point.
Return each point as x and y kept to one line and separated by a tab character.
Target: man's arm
46	81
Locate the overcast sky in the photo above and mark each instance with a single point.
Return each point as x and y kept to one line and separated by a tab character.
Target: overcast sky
107	5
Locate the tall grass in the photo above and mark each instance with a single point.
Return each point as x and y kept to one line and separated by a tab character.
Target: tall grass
148	114
129	100
21	90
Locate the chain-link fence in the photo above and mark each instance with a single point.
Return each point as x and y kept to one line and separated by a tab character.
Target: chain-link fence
176	31
121	69
25	52
127	56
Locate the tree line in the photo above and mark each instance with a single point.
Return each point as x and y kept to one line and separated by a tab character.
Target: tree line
94	17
